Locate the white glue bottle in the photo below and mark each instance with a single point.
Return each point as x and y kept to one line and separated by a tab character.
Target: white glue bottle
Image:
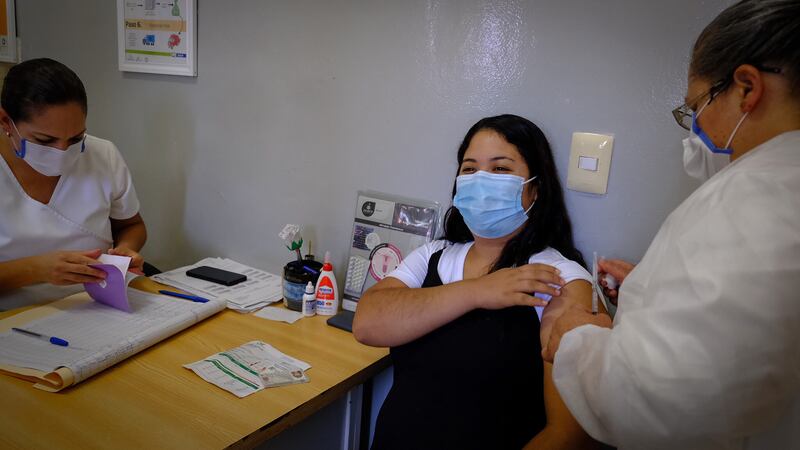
327	291
309	301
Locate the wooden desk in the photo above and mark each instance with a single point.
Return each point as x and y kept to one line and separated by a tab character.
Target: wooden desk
151	401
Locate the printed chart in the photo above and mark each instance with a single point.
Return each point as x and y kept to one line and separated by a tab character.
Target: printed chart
157	36
8	32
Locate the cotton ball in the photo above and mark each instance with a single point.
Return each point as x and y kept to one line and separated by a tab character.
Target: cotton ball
611	282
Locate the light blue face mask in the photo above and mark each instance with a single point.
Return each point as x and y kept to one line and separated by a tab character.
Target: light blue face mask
490	203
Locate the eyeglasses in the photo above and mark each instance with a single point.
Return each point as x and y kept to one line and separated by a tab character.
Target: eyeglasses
683	114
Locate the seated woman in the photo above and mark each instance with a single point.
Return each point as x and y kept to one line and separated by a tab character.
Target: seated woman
459	313
67	196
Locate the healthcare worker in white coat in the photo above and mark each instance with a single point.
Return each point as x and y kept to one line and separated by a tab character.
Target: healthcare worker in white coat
704	352
66	196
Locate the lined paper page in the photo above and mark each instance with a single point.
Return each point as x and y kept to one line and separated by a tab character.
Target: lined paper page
101	336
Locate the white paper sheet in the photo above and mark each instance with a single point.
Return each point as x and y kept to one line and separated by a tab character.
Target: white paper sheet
279	314
250	368
260	288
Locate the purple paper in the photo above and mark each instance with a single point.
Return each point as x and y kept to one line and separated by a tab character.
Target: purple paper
113	291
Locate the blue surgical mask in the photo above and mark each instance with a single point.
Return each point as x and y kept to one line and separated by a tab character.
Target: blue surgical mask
701	158
491	203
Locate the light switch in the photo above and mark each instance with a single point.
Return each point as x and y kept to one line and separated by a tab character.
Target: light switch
589	162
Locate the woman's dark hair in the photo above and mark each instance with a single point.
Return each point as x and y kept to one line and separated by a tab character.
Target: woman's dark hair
38	83
548	224
763	33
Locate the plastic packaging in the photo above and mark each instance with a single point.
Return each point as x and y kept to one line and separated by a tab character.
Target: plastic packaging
309	301
327	291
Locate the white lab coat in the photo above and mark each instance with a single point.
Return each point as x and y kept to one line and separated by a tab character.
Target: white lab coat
96	188
705	348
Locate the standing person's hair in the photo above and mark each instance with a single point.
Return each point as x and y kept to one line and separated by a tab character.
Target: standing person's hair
763	33
548	222
36	84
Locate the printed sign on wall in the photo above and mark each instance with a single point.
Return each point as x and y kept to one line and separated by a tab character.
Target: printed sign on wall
157	36
8	32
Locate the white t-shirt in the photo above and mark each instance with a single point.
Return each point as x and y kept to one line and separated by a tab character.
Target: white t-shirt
96	188
414	268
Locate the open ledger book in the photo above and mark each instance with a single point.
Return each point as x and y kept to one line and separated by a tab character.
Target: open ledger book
99	336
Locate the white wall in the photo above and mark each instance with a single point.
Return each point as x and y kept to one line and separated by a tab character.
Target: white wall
300	103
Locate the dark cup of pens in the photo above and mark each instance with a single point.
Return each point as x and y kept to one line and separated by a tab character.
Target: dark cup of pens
296	276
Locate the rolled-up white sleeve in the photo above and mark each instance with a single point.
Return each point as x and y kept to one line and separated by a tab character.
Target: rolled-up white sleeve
413	269
124	201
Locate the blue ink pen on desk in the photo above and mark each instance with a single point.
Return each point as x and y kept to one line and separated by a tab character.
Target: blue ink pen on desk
52	339
193	298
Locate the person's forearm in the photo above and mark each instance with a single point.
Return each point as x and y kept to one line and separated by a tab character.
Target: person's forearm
562	430
18	273
132	236
394	316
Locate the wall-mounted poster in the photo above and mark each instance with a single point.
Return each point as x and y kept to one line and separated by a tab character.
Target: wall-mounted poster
157	36
8	32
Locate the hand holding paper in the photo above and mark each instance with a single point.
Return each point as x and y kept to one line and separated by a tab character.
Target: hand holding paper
67	267
137	261
113	291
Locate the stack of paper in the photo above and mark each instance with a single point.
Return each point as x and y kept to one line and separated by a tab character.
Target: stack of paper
250	368
98	336
260	289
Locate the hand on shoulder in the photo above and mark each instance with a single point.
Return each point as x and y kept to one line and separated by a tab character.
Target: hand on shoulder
516	286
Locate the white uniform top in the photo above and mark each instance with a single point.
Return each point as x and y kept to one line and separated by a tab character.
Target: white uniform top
96	188
705	349
414	268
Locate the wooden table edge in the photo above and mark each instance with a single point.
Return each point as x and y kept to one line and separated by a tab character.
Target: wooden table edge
310	407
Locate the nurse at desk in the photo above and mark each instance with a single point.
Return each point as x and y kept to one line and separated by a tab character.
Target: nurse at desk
66	196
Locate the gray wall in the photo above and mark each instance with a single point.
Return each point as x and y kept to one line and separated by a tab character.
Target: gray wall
300	103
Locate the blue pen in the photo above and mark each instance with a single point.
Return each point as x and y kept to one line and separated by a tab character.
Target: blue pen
193	298
315	272
52	339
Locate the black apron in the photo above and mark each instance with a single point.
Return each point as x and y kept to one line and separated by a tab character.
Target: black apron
474	383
